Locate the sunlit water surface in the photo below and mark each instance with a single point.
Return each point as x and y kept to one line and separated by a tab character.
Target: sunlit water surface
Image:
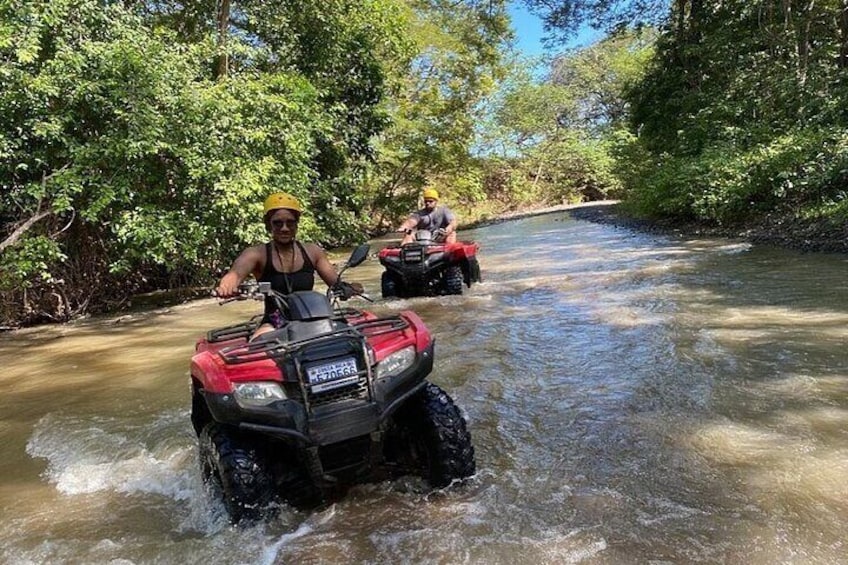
632	398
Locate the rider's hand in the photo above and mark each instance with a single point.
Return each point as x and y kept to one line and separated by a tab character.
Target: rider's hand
440	234
227	288
346	290
224	292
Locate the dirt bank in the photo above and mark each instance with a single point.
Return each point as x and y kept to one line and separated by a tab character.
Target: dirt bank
779	230
509	216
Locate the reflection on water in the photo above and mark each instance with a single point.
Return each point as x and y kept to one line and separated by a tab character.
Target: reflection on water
632	398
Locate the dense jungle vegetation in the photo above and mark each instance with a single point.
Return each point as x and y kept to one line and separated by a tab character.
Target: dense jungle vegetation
138	139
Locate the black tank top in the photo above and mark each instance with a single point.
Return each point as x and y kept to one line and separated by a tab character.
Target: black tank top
302	279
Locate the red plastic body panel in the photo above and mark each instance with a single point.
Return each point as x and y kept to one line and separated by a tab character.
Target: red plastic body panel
415	334
455	251
217	376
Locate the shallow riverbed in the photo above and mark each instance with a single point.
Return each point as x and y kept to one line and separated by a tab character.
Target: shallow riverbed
632	398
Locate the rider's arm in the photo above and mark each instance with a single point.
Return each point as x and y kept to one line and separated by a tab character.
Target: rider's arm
451	226
409	224
246	263
452	221
322	264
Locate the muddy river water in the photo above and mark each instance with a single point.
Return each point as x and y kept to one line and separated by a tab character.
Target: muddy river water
632	398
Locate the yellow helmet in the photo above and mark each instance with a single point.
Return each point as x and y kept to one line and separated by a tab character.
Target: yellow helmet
430	193
282	200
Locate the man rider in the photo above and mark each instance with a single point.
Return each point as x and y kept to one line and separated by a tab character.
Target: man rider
431	217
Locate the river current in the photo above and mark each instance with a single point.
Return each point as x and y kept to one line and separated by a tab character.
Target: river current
632	398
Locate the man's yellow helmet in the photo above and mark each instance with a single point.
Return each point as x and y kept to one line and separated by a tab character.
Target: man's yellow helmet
282	200
430	193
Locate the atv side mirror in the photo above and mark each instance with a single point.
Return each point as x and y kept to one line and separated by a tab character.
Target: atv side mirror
358	255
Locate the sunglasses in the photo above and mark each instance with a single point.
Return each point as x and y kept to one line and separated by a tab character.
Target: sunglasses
280	224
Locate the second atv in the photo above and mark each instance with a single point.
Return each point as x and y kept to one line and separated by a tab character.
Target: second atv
428	267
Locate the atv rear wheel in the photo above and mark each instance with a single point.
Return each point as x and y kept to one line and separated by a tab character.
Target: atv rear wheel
388	285
453	280
236	468
434	437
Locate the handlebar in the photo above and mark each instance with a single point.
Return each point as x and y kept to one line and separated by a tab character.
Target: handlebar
339	291
253	291
344	291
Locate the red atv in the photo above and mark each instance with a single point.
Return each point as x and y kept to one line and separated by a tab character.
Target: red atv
428	266
333	397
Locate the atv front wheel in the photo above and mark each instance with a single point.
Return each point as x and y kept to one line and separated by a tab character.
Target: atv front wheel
453	280
388	285
435	437
236	468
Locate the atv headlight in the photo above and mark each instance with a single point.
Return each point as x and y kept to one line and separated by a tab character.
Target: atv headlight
396	363
258	394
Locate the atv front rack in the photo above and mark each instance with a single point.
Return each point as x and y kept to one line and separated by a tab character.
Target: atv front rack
381	326
276	348
237	331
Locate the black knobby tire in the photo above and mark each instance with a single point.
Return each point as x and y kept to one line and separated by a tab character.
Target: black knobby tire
438	436
237	468
474	274
453	280
388	285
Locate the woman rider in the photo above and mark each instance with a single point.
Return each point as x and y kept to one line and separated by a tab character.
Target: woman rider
289	265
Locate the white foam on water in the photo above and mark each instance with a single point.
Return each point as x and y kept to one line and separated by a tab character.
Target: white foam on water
83	457
98	455
271	553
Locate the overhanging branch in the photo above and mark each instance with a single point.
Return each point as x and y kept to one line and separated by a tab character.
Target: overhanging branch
21	229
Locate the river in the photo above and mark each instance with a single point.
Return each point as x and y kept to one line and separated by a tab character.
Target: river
632	398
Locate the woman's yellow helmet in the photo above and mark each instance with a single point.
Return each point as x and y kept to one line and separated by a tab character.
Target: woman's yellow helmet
430	193
282	200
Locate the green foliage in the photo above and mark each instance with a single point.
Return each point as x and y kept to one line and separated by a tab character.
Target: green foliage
806	169
353	52
743	112
110	132
598	77
564	18
29	261
132	160
559	139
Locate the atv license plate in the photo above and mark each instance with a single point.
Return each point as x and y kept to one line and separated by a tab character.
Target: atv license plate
413	256
332	375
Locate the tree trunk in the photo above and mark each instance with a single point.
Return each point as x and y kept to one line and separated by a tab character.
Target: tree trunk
222	66
803	42
842	20
681	19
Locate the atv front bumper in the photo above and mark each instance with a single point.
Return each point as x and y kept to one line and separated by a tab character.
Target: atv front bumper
328	423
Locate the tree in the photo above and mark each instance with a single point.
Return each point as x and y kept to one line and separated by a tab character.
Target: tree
743	111
458	48
562	19
557	134
352	51
123	164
